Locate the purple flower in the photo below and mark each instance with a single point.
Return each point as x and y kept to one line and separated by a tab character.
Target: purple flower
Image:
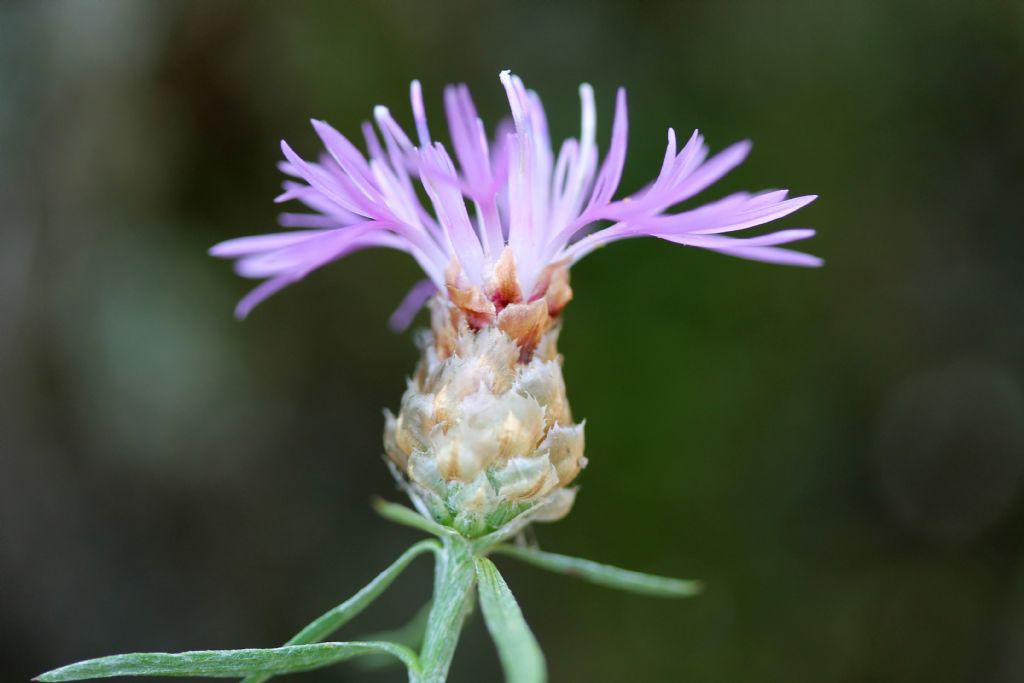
510	196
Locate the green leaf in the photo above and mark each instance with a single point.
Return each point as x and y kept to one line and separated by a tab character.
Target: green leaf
520	655
602	574
335	618
226	663
399	514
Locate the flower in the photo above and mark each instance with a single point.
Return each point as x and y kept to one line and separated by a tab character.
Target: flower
534	213
484	441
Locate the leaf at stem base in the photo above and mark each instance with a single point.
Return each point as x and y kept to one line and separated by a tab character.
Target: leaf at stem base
227	663
521	657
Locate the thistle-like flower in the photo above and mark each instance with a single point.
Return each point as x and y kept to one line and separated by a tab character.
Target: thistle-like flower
484	442
485	433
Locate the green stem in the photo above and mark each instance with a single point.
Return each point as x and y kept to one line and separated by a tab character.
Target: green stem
454	579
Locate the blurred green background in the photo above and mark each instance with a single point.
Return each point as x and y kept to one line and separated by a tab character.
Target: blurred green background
837	453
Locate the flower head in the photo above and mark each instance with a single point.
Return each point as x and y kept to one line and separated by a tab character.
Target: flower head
534	213
484	440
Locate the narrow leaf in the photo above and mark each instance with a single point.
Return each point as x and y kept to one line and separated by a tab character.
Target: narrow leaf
520	655
226	663
602	574
337	617
399	514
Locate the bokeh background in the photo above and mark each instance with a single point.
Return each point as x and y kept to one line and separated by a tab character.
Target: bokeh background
838	453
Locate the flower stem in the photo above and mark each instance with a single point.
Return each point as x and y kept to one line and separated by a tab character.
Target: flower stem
454	579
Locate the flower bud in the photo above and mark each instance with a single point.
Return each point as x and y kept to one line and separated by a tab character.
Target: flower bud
485	433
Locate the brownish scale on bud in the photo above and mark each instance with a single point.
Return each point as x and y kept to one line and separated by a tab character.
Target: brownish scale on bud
501	303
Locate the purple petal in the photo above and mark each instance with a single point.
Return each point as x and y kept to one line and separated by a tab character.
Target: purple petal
718	242
668	161
723	216
411	305
782	257
634	217
451	211
243	246
611	171
348	157
581	163
300	268
521	181
761	215
709	172
470	147
320	249
260	294
760	248
390	129
692	155
372	143
333	188
309	220
469	139
316	200
419	113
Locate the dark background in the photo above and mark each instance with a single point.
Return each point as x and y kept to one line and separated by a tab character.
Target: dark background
838	453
